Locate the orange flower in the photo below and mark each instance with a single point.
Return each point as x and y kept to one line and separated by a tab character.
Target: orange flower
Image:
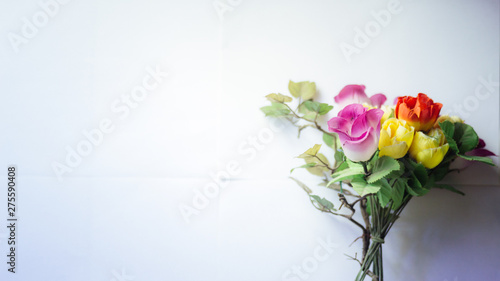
420	112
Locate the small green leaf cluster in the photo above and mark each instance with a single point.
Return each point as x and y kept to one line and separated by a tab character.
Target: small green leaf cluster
306	112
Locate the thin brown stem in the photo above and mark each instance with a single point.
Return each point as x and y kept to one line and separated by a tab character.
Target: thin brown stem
367	232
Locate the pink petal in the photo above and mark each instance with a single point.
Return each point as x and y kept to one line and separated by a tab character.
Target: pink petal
363	148
359	126
339	124
480	152
481	144
373	117
378	100
352	111
352	94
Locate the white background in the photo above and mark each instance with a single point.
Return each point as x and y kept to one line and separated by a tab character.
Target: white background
116	215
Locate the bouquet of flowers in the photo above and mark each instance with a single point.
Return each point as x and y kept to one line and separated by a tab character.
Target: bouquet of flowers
383	156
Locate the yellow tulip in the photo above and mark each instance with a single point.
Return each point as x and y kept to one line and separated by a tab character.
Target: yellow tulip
396	137
430	149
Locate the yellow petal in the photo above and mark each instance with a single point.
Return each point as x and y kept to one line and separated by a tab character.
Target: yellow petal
438	135
395	151
407	138
431	157
385	139
396	137
422	142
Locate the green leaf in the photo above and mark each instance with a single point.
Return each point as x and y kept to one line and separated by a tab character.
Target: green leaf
312	156
385	193
449	130
441	170
301	184
372	161
347	174
329	140
449	187
319	168
308	165
355	166
465	137
302	109
323	203
278	98
320	108
306	90
310	152
430	182
275	110
339	158
485	160
311	116
383	166
415	189
398	192
342	166
397	173
324	108
420	173
363	188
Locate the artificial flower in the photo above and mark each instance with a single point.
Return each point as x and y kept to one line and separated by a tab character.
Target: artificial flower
396	137
429	149
358	129
420	112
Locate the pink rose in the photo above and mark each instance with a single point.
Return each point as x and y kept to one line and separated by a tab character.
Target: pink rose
359	131
356	94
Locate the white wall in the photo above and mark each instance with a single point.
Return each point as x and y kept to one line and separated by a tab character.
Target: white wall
114	215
